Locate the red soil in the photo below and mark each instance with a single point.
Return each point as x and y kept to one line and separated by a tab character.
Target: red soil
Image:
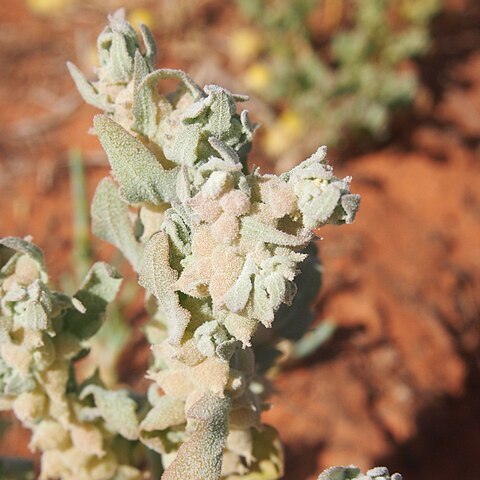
399	382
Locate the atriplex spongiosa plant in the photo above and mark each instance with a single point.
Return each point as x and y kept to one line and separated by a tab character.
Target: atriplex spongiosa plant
217	248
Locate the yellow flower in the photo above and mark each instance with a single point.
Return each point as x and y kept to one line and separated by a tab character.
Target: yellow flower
245	45
258	77
291	122
283	133
141	15
48	7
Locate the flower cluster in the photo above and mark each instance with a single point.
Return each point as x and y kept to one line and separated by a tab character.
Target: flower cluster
78	428
217	248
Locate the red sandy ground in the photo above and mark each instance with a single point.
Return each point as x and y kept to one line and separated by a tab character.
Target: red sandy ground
399	382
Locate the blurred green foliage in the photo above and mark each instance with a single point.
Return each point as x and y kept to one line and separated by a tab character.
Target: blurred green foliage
341	64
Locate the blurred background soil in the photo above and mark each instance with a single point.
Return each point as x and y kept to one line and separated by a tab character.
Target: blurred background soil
399	381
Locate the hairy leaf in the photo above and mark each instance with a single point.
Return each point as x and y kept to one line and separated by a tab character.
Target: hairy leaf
201	455
150	46
340	473
237	297
256	230
183	149
116	408
227	153
23	246
165	73
98	289
158	277
110	221
222	108
35	318
167	412
350	204
88	91
122	62
353	473
141	177
143	109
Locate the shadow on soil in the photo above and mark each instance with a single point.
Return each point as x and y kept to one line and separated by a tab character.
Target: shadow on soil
446	446
301	460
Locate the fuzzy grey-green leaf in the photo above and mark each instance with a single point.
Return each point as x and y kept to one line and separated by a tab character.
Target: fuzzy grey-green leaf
88	92
110	221
158	277
166	412
116	408
98	289
201	455
317	211
149	42
353	473
227	153
221	110
340	473
183	149
350	204
165	73
122	62
35	317
262	307
143	109
23	246
252	228
141	177
237	296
